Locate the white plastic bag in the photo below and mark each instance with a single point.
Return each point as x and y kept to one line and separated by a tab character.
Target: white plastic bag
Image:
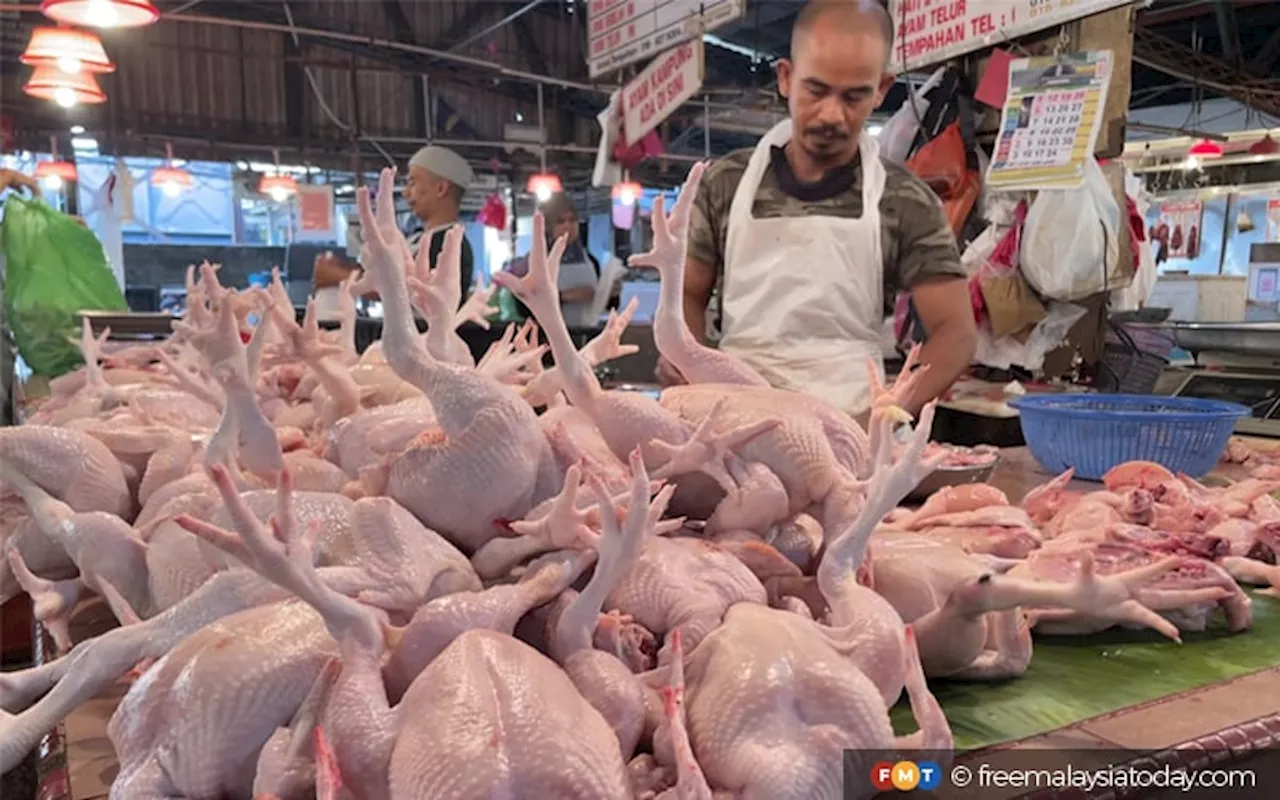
900	131
1048	335
1070	244
981	248
1132	297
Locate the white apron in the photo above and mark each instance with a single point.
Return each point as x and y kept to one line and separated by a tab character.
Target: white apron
803	297
576	275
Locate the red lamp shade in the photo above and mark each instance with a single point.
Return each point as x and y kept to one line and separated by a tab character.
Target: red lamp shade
1265	146
278	187
51	83
67	49
101	13
627	193
1205	149
56	172
171	180
543	185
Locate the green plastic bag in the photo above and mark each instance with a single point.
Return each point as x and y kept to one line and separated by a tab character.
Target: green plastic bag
54	268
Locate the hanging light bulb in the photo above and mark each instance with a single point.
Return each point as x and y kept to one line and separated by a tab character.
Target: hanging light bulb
627	193
544	184
67	90
71	51
171	180
101	13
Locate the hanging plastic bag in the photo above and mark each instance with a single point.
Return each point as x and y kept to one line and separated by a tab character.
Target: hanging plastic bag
55	268
1070	243
899	133
1048	335
1133	296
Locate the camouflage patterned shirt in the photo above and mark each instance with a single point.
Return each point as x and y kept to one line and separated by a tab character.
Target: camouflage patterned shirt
917	240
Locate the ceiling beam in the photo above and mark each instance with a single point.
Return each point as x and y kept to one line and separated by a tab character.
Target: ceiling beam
1182	61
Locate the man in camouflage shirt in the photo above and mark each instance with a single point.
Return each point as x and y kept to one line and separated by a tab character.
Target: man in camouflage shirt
814	291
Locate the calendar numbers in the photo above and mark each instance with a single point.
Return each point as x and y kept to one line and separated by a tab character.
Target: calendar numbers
1049	138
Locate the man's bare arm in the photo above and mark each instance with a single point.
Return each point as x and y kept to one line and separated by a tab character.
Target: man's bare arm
699	281
330	270
578	294
944	308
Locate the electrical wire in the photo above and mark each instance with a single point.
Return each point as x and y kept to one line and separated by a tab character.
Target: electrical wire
315	89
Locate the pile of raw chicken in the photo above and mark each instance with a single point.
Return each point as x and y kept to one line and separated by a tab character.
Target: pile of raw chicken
387	575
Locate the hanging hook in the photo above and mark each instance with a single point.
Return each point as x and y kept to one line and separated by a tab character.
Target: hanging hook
1061	45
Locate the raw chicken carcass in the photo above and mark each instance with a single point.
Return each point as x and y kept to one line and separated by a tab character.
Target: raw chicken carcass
694	360
756	733
1166	595
194	724
486	428
505	718
967	618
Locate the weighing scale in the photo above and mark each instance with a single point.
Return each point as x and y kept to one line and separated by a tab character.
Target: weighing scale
1238	362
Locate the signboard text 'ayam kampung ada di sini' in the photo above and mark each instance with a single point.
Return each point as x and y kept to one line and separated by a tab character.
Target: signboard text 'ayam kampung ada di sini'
660	89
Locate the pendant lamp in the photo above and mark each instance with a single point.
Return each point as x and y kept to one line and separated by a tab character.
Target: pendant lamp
69	50
544	184
101	13
627	193
56	173
1205	148
171	180
1265	146
278	187
67	90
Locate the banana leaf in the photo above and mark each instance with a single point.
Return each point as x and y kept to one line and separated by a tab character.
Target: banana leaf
1073	678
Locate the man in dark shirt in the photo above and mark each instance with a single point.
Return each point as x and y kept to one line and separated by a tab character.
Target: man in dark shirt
438	177
804	273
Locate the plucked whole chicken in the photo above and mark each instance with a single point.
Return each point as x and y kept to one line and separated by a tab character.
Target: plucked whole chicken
405	573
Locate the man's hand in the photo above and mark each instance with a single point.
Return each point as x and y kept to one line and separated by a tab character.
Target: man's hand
12	179
329	269
667	374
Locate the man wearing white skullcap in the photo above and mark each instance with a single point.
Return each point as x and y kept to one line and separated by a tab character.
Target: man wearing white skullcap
438	177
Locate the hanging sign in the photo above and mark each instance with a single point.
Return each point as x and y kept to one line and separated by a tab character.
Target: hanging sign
1178	230
622	32
663	86
1273	220
932	31
315	212
1052	115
